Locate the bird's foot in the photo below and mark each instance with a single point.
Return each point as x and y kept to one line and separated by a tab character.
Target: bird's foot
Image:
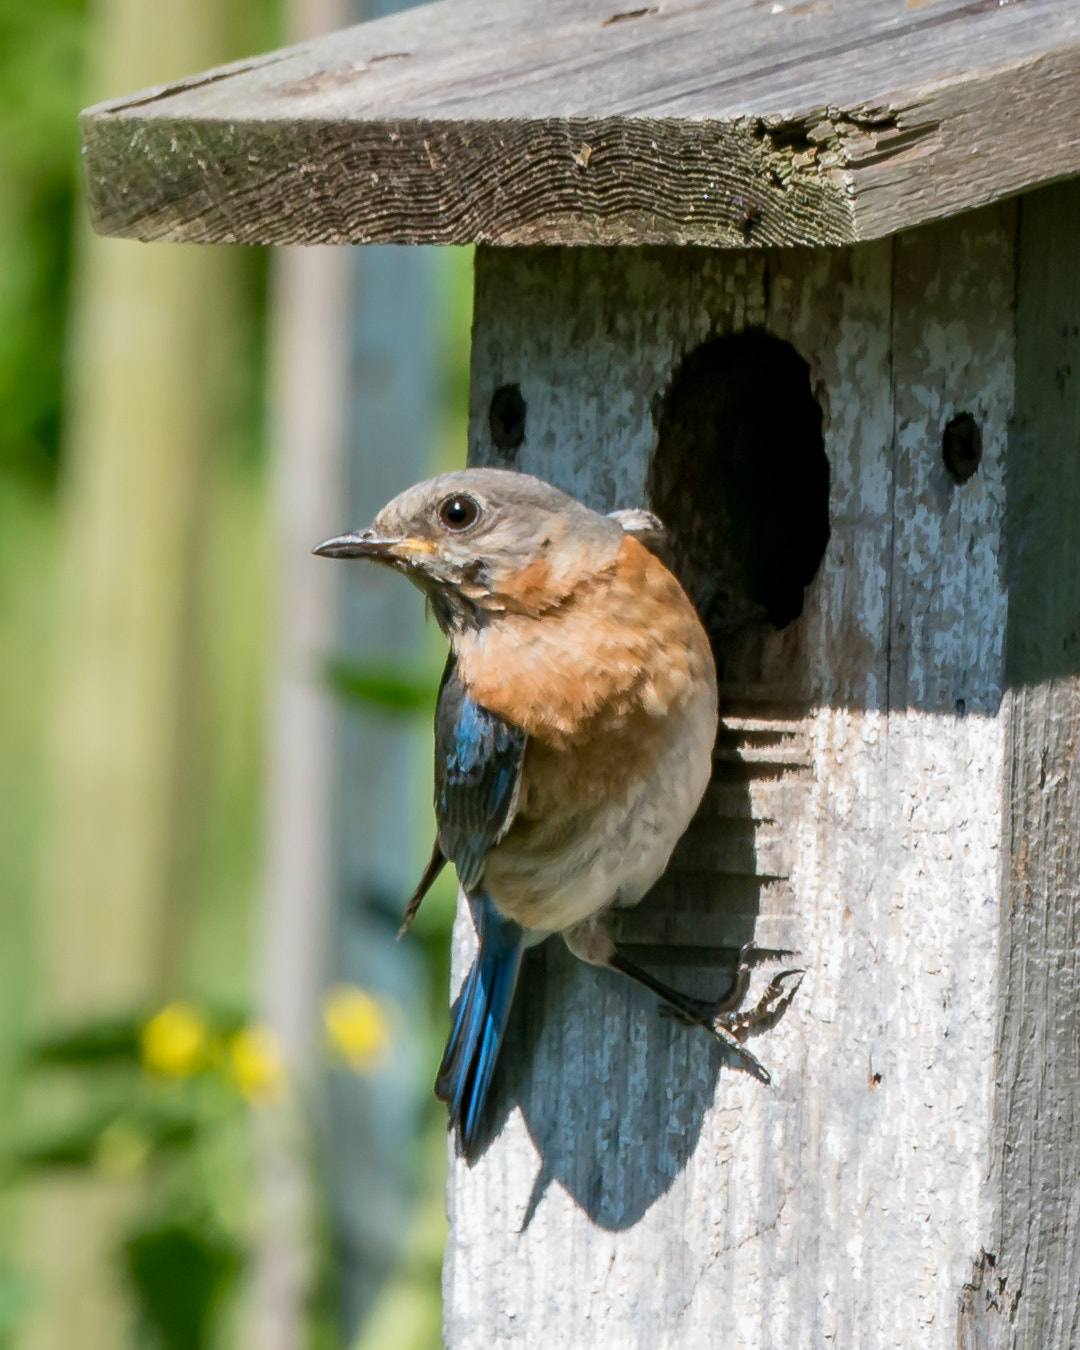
729	1022
767	1011
750	957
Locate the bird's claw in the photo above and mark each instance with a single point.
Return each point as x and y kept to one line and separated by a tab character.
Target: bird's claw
767	1011
750	956
729	1023
732	1027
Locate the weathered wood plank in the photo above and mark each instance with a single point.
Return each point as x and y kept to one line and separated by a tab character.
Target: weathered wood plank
1028	1299
638	1192
721	122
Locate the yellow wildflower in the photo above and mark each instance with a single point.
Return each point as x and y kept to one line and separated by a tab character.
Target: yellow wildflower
256	1064
357	1027
174	1042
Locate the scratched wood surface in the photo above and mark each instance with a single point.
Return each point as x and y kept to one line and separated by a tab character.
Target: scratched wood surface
727	122
635	1190
1027	1297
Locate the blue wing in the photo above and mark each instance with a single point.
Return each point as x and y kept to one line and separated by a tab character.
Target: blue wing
479	1020
478	760
477	768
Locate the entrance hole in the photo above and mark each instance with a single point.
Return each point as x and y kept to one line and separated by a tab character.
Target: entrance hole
741	481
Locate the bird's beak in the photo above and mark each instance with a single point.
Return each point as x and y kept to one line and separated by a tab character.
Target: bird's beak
360	544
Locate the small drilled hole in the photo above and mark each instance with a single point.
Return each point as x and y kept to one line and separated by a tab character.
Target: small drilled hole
506	419
961	447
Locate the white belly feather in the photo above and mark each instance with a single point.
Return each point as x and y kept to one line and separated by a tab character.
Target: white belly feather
621	849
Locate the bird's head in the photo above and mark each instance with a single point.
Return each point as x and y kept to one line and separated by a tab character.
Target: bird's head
480	542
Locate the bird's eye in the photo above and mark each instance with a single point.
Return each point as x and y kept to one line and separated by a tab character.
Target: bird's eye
459	512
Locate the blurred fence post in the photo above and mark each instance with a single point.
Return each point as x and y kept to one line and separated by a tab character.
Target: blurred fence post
309	319
308	373
308	394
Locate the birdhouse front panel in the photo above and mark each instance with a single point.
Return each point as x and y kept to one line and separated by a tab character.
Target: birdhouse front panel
823	433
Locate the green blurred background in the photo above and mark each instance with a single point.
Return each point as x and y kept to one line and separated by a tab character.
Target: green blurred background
163	1142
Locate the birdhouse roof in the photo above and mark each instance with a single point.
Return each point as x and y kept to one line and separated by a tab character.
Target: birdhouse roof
720	122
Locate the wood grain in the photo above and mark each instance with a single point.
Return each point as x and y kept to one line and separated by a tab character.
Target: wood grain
636	1191
1032	1296
719	122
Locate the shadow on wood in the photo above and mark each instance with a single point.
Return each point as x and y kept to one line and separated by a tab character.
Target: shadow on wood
617	1162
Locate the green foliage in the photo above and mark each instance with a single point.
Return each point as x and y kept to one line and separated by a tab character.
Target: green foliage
14	1301
454	300
108	1041
27	537
381	688
190	1138
42	48
167	1099
180	1270
149	1087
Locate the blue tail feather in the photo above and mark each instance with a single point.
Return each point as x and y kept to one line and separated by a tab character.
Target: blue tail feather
476	1033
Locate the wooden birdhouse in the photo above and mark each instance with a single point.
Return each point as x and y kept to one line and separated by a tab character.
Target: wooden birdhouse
805	279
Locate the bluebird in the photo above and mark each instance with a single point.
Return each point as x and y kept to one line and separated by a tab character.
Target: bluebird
574	732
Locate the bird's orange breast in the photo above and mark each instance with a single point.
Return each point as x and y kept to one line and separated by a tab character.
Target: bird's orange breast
592	680
623	641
